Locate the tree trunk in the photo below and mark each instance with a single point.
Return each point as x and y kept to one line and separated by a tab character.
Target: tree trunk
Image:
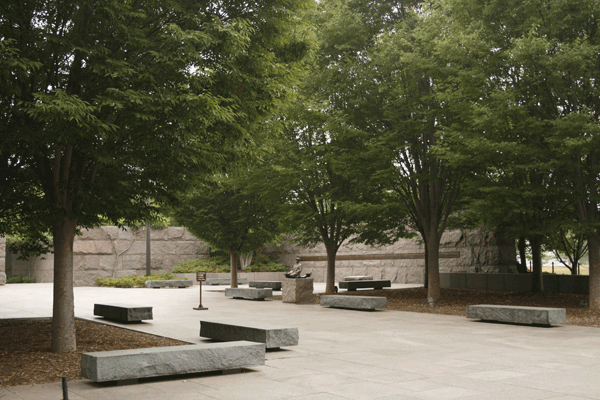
537	280
330	277
433	267
63	309
426	275
522	266
594	259
233	257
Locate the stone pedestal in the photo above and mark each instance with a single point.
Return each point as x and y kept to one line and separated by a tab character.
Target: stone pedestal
298	291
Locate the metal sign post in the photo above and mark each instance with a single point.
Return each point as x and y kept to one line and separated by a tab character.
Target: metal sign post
200	277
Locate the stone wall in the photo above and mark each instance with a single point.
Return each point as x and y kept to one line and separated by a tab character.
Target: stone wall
109	251
480	251
112	252
2	261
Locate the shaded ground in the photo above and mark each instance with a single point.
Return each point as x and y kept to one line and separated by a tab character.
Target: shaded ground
25	356
455	301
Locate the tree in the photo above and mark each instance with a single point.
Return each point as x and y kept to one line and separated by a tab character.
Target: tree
534	67
224	212
571	245
108	103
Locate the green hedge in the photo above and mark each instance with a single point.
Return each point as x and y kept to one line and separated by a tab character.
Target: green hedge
130	281
19	279
260	263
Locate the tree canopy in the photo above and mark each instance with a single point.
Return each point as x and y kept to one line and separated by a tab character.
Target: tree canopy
108	103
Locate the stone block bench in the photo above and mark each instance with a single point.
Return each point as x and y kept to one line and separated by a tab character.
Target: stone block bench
364	284
354	302
174	283
122	312
121	365
273	336
248	293
275	285
518	314
358	278
224	281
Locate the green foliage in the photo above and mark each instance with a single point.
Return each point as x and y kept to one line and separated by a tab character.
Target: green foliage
19	279
227	213
260	263
27	247
130	281
214	264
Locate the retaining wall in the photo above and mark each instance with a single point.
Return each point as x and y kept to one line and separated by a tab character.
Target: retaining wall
576	284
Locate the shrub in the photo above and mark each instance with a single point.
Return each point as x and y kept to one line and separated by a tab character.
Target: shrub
19	279
260	263
214	264
130	281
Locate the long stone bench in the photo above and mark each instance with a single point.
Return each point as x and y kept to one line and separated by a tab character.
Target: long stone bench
354	302
275	285
120	365
273	336
518	314
248	293
224	281
364	284
169	283
358	278
122	312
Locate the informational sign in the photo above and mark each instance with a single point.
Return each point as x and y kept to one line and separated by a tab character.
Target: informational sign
201	276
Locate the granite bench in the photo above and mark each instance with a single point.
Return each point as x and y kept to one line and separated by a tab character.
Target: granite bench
518	314
169	283
248	293
122	312
354	302
273	336
364	284
358	278
224	281
275	285
127	365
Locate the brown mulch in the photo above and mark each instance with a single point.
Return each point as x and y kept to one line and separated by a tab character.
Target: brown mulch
25	356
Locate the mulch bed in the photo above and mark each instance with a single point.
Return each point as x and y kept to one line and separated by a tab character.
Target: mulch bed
25	356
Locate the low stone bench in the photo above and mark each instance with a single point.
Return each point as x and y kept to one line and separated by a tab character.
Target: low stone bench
354	302
174	283
224	281
122	312
248	293
358	278
120	365
518	314
275	285
273	336
364	284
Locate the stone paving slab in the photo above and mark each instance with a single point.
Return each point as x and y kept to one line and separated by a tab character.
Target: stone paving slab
423	356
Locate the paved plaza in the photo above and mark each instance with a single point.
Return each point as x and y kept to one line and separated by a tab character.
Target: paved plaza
343	354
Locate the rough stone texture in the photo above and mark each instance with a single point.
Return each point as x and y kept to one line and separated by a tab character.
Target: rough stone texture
354	302
248	293
109	251
275	285
297	291
123	312
2	278
224	281
515	314
358	278
162	361
375	284
273	336
159	284
480	251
